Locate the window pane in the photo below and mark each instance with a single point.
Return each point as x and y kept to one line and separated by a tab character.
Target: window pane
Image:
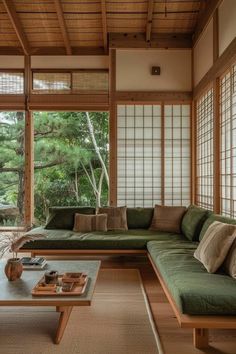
51	82
205	150
12	157
11	83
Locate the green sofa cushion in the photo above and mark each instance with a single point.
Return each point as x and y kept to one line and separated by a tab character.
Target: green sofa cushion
63	217
67	239
139	218
195	291
211	219
193	221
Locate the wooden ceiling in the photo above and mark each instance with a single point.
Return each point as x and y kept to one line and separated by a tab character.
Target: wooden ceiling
87	26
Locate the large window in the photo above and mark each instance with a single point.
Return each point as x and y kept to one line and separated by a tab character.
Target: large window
228	142
12	153
71	160
204	139
153	155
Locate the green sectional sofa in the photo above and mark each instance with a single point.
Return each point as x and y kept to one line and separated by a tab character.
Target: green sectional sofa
200	300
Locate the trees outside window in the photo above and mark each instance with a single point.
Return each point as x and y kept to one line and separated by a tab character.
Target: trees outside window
71	159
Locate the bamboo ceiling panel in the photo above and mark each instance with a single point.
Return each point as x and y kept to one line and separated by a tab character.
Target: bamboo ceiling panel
84	22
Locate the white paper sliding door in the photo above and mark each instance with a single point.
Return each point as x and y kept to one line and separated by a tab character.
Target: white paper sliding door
153	155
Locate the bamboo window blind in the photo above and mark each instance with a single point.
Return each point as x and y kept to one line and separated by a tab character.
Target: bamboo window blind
11	83
51	82
150	147
204	148
228	142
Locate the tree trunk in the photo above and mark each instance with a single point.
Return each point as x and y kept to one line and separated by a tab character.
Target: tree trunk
91	131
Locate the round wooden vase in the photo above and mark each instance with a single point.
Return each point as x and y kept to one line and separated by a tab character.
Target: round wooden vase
13	269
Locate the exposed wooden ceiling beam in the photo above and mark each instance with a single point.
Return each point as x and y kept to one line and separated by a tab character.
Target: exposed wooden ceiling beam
104	23
149	20
16	23
138	40
205	15
62	25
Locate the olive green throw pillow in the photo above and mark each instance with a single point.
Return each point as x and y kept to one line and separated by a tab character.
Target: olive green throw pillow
63	217
214	246
167	218
139	218
193	221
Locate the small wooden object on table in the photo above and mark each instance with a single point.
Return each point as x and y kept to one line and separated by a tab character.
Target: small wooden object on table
68	284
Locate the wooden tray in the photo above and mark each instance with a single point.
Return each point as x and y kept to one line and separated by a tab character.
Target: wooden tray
77	288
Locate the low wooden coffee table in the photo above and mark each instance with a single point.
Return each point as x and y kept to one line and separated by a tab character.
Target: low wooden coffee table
18	293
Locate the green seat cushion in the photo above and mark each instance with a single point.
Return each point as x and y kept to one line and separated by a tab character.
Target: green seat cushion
211	219
139	218
68	239
63	217
193	221
195	291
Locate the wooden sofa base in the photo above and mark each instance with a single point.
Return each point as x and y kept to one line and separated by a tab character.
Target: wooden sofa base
81	252
200	324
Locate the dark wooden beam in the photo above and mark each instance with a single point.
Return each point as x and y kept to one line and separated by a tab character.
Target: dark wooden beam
62	51
62	25
149	20
138	40
215	35
205	15
104	23
126	97
16	23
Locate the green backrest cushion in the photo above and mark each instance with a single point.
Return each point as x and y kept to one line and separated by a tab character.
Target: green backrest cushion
139	218
211	219
63	217
193	221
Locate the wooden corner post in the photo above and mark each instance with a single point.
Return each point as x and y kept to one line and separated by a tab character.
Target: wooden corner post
29	150
112	129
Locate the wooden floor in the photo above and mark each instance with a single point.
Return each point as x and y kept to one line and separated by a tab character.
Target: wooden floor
175	340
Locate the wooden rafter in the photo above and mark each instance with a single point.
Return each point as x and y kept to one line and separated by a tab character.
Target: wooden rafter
205	15
149	20
62	25
16	23
104	24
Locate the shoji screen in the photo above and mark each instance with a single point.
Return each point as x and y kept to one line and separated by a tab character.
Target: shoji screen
139	155
204	138
228	142
153	162
177	154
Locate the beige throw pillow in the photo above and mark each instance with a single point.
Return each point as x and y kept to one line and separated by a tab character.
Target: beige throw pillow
167	218
88	223
214	246
116	217
230	261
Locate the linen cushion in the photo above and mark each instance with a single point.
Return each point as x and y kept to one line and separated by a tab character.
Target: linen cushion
88	223
230	261
215	245
63	217
139	218
215	217
167	218
193	221
116	217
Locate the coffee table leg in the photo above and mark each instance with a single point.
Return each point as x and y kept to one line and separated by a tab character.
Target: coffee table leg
64	317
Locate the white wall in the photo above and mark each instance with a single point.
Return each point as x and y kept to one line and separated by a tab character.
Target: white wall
70	62
134	66
203	53
227	24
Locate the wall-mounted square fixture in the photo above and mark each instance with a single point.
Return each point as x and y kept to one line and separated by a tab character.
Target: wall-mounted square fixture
156	70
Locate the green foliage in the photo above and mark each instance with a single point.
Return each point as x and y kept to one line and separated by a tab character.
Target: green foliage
62	145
